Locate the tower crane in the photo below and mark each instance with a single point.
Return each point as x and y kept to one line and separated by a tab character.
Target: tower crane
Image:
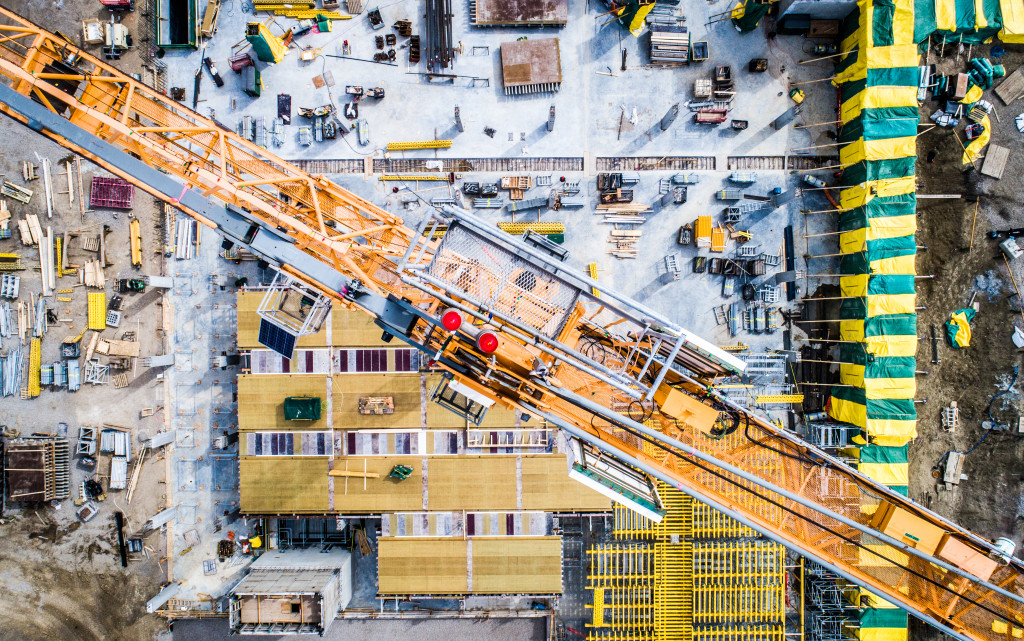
510	323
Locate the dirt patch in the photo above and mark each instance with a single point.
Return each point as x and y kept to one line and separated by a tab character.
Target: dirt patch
987	502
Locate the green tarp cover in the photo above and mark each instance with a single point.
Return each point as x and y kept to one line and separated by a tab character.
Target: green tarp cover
858	217
882	617
880	454
849	24
891	325
882	408
859	263
846	62
302	408
877	170
924	20
881	23
752	14
877	123
905	491
856	354
848	90
894	76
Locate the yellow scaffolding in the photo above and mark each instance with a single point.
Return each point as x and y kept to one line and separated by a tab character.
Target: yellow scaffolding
698	575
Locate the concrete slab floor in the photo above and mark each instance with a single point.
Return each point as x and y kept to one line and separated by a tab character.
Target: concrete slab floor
594	94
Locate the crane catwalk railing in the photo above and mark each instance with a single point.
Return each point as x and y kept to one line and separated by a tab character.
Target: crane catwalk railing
615	376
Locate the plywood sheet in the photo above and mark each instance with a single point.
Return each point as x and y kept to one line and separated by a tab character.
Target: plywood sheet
404	389
517	565
283	485
995	161
472	483
547	486
497	417
261	400
249	324
418	565
381	494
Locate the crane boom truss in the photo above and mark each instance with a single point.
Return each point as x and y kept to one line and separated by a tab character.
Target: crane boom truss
605	370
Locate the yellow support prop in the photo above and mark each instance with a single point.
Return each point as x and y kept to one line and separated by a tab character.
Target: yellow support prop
135	236
419	144
97	311
35	357
304	14
592	270
518	229
57	249
779	398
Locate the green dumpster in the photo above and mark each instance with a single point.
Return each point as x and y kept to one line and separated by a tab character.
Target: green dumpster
302	408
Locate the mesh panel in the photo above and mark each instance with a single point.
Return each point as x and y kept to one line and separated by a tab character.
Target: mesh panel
497	279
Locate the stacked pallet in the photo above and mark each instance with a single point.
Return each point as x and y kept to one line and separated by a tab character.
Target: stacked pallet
670	45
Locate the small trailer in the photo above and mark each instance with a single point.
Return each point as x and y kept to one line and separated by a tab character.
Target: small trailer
710	116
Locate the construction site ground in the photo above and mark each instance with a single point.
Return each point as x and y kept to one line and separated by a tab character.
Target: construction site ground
66	574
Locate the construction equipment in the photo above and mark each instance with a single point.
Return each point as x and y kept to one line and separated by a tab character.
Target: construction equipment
400	472
116	40
522	332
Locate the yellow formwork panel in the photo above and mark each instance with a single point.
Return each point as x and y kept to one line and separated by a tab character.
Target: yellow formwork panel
97	311
135	239
598	618
35	357
519	229
419	144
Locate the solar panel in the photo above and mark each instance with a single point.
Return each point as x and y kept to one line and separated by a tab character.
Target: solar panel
276	338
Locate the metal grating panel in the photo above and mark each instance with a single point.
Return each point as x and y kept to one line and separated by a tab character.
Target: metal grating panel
496	279
276	338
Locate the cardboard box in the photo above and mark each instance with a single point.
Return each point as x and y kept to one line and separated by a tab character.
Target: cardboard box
966	558
908	528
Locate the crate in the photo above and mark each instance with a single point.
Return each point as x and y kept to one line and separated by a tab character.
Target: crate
115	193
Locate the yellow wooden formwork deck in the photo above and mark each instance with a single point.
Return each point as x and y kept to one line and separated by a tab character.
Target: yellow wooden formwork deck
279	485
348	328
517	565
547	486
472	483
382	494
356	329
420	565
283	485
500	565
403	388
261	400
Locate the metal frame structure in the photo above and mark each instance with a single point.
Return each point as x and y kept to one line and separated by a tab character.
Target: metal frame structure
582	370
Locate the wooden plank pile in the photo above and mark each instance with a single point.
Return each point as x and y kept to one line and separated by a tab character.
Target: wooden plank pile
624	218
